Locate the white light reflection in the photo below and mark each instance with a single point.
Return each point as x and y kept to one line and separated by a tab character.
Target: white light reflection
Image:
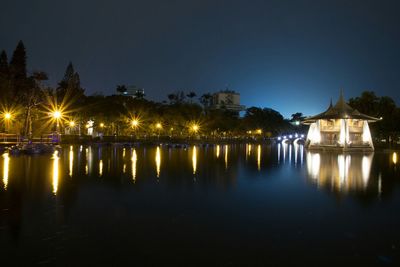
259	157
301	154
279	153
296	148
6	166
313	164
340	172
366	163
284	146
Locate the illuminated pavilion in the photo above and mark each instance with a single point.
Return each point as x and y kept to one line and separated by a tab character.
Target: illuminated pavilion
340	128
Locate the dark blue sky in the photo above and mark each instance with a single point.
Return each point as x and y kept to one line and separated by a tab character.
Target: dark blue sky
288	55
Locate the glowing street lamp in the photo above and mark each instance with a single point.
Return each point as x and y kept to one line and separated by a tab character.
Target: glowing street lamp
102	125
57	116
135	123
259	131
159	125
7	116
71	124
195	128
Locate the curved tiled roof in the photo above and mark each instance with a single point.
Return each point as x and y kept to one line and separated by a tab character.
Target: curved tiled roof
341	110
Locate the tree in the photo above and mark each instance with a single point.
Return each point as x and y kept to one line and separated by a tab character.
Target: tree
18	62
367	103
298	116
205	100
18	76
191	95
69	88
122	89
172	98
4	75
4	70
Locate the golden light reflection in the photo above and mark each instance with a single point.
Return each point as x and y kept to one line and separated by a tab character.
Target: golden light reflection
394	158
217	151
71	160
101	167
55	172
87	161
249	149
123	152
158	161
226	156
194	159
6	166
134	161
259	157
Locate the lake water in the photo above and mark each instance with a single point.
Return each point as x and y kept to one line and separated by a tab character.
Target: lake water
204	205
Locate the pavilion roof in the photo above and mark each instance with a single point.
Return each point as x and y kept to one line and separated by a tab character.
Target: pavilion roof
341	110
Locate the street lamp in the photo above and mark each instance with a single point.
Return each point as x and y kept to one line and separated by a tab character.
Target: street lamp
135	123
7	118
57	115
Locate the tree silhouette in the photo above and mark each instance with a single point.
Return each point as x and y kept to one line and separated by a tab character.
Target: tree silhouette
191	95
122	89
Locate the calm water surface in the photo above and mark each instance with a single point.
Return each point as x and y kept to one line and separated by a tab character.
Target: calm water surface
214	205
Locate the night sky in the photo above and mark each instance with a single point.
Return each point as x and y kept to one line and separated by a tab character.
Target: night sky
288	55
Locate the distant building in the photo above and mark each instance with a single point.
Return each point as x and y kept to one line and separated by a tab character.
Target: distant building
340	127
229	100
133	91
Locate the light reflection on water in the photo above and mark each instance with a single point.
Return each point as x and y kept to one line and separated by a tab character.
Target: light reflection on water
233	184
194	159
6	166
134	161
336	171
340	172
71	161
55	176
158	161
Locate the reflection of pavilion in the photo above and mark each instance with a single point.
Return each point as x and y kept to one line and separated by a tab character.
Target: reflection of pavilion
341	172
